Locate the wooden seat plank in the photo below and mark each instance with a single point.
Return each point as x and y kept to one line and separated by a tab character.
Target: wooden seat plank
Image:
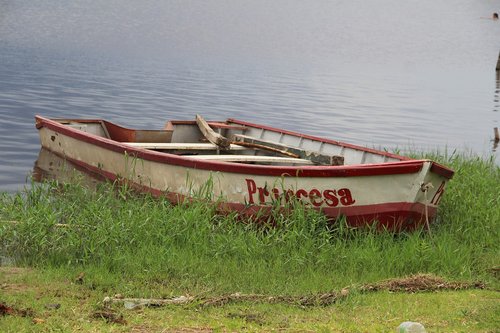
180	146
251	158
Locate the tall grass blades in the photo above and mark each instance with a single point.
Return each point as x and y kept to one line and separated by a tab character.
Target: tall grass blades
120	235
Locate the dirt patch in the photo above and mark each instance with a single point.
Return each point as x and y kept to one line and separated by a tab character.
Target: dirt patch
420	282
143	329
109	316
312	300
6	310
308	300
147	329
14	287
12	270
411	284
12	273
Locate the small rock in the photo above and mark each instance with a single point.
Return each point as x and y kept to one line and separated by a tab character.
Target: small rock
130	305
52	306
411	327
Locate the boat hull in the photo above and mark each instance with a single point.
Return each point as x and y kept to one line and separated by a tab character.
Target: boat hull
397	196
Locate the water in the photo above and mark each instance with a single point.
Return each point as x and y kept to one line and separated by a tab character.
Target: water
412	75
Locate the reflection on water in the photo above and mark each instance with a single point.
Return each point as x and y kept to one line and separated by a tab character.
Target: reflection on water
51	167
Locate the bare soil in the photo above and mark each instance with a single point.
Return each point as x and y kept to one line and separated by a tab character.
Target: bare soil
420	283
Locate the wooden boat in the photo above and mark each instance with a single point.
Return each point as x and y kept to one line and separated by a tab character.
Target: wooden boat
247	167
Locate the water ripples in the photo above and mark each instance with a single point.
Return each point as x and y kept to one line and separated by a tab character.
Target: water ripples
335	69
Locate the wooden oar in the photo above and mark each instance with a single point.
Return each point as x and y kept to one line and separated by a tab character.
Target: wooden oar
211	135
224	143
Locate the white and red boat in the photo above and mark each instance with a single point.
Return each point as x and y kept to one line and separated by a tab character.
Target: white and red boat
250	167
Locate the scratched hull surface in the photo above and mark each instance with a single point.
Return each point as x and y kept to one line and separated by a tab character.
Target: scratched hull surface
398	192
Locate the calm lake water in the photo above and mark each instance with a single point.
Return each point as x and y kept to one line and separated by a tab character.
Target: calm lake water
407	75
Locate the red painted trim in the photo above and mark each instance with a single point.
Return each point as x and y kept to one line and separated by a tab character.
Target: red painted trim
442	170
396	216
404	167
375	209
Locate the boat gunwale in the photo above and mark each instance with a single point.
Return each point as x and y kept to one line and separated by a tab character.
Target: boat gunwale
406	165
325	140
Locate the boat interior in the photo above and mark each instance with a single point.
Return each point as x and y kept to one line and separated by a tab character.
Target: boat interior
237	142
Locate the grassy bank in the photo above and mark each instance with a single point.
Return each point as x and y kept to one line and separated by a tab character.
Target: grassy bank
36	292
144	247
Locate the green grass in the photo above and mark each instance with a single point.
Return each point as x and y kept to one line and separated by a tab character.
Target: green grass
139	238
141	246
451	311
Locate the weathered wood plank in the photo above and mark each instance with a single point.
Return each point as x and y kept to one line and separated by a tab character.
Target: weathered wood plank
210	134
251	158
267	148
315	157
180	146
216	124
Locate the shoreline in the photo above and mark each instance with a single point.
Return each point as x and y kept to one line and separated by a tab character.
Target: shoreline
81	245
